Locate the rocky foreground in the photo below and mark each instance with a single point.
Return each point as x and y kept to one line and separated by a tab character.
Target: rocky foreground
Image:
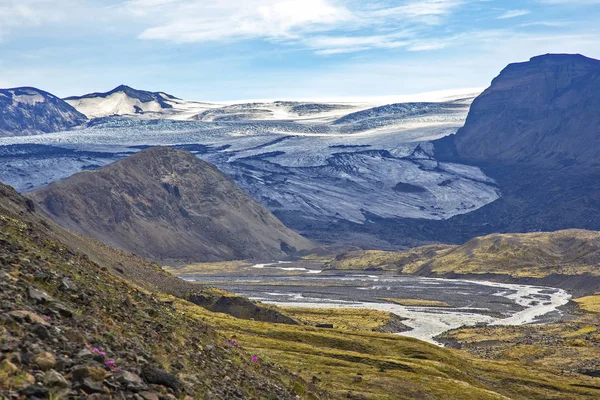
70	328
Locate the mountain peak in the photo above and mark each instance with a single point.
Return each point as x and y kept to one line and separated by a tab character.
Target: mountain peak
561	58
124	88
167	204
122	100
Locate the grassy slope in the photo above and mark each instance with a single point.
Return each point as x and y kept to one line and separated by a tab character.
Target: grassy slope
568	252
384	366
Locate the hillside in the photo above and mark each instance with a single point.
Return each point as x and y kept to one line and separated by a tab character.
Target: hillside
71	327
30	111
536	255
168	205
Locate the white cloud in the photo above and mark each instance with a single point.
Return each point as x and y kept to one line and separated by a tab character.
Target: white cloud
199	21
513	14
352	26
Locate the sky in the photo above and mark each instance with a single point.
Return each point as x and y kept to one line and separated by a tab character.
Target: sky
282	49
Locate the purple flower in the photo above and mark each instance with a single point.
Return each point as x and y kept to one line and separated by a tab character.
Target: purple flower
112	365
234	343
254	358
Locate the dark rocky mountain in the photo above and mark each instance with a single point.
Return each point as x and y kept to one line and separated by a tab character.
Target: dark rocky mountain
542	112
168	205
30	111
536	132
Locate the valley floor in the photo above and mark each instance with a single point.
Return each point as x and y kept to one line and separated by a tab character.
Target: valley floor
429	306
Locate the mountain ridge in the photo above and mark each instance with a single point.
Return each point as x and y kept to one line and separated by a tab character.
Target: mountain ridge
122	100
167	204
539	112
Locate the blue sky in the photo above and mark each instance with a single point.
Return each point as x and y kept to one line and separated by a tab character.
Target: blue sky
282	49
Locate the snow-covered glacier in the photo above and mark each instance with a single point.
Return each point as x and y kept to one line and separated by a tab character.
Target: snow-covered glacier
332	162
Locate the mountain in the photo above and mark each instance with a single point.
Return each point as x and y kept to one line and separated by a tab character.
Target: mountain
542	112
166	204
122	100
30	111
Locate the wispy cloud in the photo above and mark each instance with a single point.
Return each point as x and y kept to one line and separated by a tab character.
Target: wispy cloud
513	14
201	21
325	26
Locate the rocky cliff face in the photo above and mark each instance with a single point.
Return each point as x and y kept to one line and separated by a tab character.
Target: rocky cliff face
542	112
28	111
168	205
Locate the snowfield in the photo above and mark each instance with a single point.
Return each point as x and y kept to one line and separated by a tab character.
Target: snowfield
339	161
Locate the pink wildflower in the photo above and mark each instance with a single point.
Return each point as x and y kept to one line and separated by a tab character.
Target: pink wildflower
254	358
112	365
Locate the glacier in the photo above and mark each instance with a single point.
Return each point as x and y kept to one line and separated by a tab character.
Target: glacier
321	162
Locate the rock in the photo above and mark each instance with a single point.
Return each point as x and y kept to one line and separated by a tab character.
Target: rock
209	347
39	377
85	354
5	277
75	337
55	380
158	377
41	331
34	391
126	377
63	310
67	285
15	358
63	363
90	386
82	372
98	396
328	326
149	396
39	296
44	360
27	316
8	368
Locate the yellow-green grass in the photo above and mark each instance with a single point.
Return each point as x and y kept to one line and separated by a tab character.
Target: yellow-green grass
384	366
569	252
208	268
341	318
417	302
589	303
405	261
